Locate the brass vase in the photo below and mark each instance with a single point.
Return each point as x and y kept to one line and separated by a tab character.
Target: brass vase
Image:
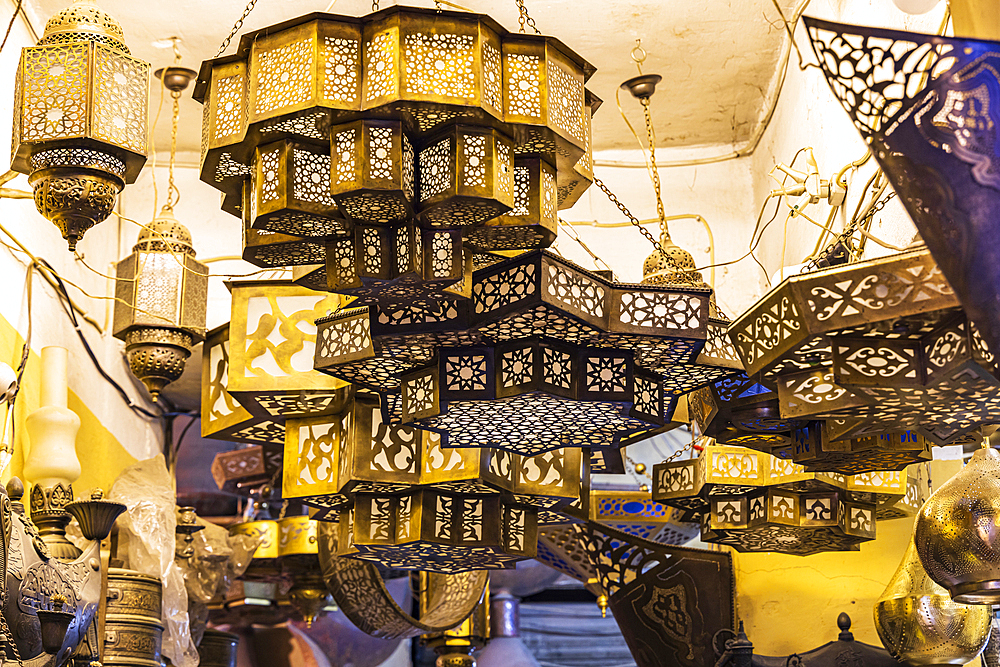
919	624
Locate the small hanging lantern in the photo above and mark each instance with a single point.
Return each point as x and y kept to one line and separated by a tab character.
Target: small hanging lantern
79	118
164	290
919	624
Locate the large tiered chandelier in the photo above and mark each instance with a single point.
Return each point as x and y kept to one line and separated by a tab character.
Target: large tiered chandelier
872	348
580	360
384	148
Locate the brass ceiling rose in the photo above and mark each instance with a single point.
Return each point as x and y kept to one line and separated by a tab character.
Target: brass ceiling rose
919	623
958	525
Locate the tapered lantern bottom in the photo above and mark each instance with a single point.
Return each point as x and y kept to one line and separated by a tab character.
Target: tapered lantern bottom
74	200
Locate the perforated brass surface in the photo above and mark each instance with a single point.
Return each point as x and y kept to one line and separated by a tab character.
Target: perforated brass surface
919	624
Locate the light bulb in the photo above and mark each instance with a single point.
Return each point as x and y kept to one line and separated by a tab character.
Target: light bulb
915	6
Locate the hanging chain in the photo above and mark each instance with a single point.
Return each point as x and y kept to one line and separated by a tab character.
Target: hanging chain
654	172
524	19
173	193
374	6
237	26
628	214
846	235
600	263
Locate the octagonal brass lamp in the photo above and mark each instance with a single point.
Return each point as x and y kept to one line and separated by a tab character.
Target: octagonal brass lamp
741	411
932	133
79	118
755	502
405	501
871	348
161	293
327	128
544	355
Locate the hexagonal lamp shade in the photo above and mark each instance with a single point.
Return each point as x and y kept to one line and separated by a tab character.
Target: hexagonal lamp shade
424	69
222	416
290	191
740	411
438	531
544	355
930	138
79	118
755	502
271	344
873	347
331	459
161	296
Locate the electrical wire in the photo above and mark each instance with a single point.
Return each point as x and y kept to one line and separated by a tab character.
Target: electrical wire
64	300
10	26
753	243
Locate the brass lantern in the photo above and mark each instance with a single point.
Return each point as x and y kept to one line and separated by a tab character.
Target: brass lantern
161	293
272	341
755	502
919	623
421	115
222	416
873	347
328	459
79	118
956	531
544	355
438	531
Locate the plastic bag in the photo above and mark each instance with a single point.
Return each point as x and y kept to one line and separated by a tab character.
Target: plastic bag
149	524
217	560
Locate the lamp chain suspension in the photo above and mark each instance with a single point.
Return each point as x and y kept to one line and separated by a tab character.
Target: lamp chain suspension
238	25
628	214
524	19
173	193
572	233
654	174
374	5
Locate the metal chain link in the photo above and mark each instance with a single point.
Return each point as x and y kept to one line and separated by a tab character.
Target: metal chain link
654	172
374	6
236	27
173	192
846	235
524	19
628	214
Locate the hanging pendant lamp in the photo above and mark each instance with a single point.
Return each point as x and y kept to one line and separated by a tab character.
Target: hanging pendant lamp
920	625
958	531
927	106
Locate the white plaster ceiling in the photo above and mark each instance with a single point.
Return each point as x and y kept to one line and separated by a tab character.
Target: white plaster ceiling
717	58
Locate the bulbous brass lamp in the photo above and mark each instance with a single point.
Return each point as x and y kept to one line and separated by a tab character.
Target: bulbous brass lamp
919	624
161	309
79	118
958	531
